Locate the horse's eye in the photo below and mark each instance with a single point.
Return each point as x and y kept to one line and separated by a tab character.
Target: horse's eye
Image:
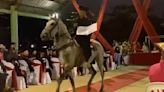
52	24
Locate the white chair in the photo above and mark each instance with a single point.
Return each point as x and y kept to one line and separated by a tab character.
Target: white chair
107	56
45	76
113	64
9	70
155	87
46	79
21	82
56	68
126	59
95	66
74	72
37	70
19	79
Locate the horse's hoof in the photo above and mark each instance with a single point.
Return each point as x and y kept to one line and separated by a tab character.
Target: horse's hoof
101	90
89	89
57	90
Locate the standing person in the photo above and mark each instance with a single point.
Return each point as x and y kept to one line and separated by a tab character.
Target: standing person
117	56
156	71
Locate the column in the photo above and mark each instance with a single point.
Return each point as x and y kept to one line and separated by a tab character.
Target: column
14	25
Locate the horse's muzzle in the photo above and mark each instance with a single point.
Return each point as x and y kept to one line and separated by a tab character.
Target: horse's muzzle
43	37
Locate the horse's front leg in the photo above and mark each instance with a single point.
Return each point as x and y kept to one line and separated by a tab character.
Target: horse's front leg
72	81
66	70
60	81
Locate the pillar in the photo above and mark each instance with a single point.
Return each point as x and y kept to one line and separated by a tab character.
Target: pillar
14	26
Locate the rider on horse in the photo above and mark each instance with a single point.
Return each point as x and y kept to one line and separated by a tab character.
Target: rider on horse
84	40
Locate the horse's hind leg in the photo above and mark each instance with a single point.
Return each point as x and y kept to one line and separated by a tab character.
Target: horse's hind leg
72	81
102	81
93	72
100	66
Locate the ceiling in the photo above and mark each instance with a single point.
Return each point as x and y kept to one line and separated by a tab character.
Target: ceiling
41	7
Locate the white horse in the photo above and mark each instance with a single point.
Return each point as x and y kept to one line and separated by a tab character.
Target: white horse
70	53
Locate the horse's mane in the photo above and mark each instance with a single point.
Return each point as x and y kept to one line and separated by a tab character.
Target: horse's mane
62	28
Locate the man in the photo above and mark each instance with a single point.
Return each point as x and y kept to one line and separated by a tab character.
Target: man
84	40
156	72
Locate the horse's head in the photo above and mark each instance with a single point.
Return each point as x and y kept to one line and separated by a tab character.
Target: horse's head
48	33
57	31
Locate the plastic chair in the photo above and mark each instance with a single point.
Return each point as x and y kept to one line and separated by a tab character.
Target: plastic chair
21	82
37	72
155	87
56	68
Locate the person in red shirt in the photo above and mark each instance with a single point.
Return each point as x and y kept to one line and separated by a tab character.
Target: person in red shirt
156	71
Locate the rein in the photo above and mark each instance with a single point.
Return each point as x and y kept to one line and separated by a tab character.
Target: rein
65	46
63	35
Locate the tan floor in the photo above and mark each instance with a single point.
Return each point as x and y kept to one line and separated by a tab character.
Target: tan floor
138	86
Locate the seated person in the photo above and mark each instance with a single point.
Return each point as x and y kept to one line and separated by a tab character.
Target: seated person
156	72
3	74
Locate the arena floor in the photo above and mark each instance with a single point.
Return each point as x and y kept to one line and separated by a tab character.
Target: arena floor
125	79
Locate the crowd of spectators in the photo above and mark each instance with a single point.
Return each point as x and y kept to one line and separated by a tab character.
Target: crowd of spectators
23	63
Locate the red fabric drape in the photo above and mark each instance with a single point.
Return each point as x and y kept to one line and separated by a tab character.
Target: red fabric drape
75	5
146	22
14	78
138	24
100	18
44	73
40	73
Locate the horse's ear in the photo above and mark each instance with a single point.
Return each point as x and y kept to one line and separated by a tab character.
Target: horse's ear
50	16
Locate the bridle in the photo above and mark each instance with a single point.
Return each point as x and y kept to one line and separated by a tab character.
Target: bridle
60	35
51	30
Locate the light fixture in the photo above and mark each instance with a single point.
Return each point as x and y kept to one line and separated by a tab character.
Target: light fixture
44	47
32	46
